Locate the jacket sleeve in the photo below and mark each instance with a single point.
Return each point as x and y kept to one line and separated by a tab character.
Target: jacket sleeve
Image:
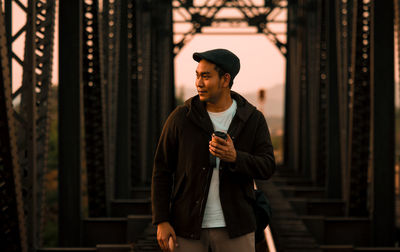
260	163
163	169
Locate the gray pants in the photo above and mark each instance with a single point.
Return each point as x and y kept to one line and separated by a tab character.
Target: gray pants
217	240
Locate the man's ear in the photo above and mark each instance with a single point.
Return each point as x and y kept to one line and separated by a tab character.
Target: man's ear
227	79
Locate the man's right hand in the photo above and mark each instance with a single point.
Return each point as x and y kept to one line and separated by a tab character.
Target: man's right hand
164	232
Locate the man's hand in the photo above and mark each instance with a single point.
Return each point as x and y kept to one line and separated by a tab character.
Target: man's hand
165	232
224	149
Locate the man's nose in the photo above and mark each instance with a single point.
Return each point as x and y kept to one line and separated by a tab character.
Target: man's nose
199	82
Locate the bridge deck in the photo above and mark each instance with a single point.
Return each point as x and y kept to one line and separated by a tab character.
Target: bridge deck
288	230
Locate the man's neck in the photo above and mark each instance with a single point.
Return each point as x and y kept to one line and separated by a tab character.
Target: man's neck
221	105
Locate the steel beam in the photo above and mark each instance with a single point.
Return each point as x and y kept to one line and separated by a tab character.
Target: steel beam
30	102
44	37
94	112
360	113
28	131
322	118
312	87
144	28
333	172
304	161
287	106
123	143
292	88
135	66
111	33
70	122
8	22
162	84
197	17
382	81
345	24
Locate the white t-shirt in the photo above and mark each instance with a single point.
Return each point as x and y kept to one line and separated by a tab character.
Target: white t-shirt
213	215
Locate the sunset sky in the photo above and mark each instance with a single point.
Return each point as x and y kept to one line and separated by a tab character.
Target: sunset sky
262	64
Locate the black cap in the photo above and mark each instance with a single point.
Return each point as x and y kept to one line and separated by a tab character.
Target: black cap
223	58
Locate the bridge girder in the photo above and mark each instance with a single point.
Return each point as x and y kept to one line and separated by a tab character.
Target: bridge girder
196	17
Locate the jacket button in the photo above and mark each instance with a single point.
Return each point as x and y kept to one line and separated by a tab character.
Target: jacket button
197	201
204	168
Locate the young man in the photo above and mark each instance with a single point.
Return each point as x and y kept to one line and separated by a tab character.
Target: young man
202	186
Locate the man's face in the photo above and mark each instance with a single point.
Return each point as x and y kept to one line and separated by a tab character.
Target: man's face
208	83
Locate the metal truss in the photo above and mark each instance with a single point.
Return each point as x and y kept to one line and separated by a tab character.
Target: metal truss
196	16
355	104
30	102
45	19
94	111
13	229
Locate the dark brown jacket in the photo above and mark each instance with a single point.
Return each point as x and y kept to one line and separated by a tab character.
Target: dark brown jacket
182	172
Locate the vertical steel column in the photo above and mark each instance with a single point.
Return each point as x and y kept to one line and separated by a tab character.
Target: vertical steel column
153	105
94	112
162	98
382	82
45	19
13	229
111	33
144	28
313	56
135	66
148	28
297	88
360	113
304	144
344	23
70	122
290	39
28	132
8	23
166	59
322	97
351	9
123	164
295	28
333	172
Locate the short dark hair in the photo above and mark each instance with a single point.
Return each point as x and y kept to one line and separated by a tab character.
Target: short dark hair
221	73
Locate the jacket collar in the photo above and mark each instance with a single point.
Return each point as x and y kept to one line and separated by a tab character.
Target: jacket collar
197	112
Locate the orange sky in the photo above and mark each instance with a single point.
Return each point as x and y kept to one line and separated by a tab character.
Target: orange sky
262	64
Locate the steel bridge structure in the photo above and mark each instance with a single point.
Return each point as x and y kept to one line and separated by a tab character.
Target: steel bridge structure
334	191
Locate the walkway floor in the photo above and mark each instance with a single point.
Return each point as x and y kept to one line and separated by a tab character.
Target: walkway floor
288	230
